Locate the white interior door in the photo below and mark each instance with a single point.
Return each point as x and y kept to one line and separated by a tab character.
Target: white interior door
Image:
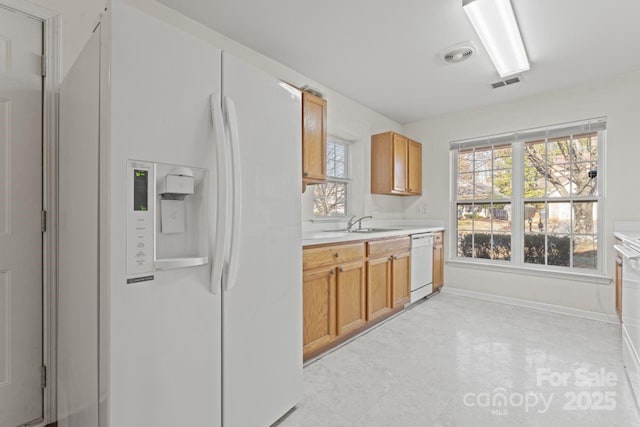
20	229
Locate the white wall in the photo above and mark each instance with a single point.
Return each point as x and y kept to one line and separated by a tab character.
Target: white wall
346	118
617	99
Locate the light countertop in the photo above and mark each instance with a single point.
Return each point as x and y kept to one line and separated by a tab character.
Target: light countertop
631	238
335	236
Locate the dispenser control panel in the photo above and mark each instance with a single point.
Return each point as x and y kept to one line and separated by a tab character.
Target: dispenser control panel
140	220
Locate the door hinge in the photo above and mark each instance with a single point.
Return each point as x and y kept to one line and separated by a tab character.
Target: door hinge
43	221
43	376
44	65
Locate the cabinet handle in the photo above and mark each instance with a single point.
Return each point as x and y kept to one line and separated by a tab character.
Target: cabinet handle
332	272
395	257
305	173
390	258
336	255
341	270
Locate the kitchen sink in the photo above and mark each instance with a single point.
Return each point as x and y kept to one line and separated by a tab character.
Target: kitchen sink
374	230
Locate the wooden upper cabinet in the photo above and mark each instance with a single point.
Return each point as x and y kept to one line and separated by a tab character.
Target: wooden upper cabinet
414	175
314	139
400	166
396	165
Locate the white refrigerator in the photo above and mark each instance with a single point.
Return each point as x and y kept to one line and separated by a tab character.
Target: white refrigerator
219	344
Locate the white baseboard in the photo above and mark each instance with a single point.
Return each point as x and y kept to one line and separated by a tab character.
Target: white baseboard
585	314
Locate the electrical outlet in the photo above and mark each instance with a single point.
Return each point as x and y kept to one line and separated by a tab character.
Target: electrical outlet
423	208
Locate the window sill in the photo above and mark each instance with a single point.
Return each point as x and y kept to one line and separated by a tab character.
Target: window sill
599	279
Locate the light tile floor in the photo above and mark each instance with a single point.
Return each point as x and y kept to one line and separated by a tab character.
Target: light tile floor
428	366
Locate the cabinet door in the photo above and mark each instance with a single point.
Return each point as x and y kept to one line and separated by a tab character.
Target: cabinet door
350	300
319	309
618	283
401	275
379	299
400	151
415	168
438	261
314	138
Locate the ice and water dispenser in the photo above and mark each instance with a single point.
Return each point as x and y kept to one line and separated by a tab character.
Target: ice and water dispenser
167	218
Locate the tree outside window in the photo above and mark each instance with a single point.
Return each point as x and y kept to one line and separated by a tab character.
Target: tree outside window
553	182
330	199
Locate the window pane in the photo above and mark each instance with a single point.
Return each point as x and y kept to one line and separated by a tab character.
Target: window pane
558	180
534	238
584	179
465	217
465	186
584	148
482	245
502	184
534	153
482	217
465	244
559	250
465	161
330	199
559	217
483	159
558	150
483	188
336	160
502	157
585	217
533	183
502	246
534	217
585	252
534	248
501	217
339	152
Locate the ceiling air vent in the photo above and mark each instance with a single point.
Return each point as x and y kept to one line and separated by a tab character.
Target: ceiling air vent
458	53
507	82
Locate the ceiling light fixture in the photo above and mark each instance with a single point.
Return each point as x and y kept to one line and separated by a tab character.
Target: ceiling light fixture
496	25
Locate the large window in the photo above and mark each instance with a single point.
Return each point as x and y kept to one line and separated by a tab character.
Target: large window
531	197
330	199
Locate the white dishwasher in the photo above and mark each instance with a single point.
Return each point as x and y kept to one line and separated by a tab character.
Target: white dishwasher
421	265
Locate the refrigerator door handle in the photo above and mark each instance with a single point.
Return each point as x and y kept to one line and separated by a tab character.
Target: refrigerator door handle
232	265
218	239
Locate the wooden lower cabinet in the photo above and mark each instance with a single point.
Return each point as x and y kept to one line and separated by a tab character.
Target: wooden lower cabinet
438	260
347	289
319	308
401	278
351	297
379	291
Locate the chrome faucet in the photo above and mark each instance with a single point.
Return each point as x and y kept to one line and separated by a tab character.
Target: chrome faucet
352	222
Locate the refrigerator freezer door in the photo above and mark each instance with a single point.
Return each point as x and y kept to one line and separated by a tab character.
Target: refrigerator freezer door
165	335
262	312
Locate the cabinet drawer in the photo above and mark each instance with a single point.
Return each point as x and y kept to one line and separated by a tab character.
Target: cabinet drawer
390	246
331	255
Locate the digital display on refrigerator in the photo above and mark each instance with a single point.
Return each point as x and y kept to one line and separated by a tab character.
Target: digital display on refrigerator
140	190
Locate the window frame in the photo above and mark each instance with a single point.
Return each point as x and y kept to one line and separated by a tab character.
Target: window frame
518	202
346	180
